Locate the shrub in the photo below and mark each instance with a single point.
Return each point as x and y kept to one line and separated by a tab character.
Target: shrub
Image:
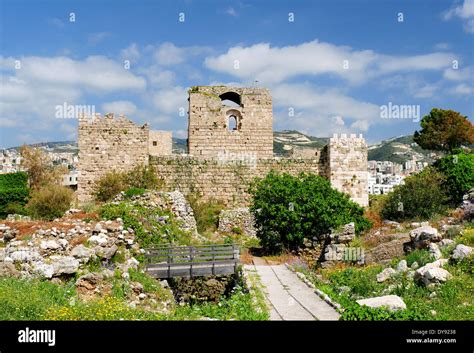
108	186
14	193
420	197
206	213
49	202
136	181
134	192
421	256
358	312
458	170
289	208
142	177
41	170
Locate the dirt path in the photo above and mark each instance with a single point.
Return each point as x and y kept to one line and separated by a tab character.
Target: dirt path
289	297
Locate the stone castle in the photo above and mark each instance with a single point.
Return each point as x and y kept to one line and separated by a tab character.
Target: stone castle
230	142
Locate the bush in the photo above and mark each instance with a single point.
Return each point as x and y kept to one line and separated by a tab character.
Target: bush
142	177
49	202
14	193
289	208
358	312
420	256
134	192
458	170
136	181
206	213
420	197
108	186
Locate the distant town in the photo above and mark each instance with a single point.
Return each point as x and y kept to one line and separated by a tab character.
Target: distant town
384	175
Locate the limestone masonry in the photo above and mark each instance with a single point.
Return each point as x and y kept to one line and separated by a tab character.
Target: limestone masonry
230	142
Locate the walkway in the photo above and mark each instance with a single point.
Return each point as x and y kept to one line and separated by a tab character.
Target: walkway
290	298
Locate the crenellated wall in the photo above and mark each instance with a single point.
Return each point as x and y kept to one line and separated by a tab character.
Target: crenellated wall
226	181
222	162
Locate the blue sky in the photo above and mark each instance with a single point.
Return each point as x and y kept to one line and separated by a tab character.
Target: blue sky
330	70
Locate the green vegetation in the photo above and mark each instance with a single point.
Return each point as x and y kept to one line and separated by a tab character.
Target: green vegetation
420	197
458	170
50	201
288	209
205	213
151	226
420	256
129	193
444	130
22	299
14	193
134	181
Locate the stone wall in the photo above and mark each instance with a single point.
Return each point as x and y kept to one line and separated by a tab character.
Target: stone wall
224	181
347	166
210	122
160	143
107	144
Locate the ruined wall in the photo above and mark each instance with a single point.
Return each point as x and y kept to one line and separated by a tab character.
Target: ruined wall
160	143
107	144
209	122
224	181
347	166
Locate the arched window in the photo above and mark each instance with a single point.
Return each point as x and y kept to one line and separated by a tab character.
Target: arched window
232	124
234	120
231	99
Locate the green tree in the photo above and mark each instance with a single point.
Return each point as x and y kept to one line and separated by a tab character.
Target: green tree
458	170
288	209
421	196
444	130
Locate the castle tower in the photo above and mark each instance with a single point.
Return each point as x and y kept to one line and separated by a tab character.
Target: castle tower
230	120
107	144
347	166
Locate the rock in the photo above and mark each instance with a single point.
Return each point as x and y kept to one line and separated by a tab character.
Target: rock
385	274
435	276
402	266
434	251
98	239
136	287
334	252
421	237
7	269
106	253
89	281
414	265
24	255
142	296
64	265
446	242
345	236
390	302
63	243
460	252
240	218
43	269
49	245
81	252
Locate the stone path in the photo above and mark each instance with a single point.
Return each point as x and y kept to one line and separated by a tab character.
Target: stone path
290	298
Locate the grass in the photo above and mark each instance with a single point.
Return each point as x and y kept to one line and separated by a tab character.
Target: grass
22	299
454	300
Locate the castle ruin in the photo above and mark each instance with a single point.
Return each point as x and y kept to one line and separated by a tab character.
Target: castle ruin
230	142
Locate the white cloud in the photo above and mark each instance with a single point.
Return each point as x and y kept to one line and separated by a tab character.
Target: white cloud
462	89
464	12
96	73
119	107
168	54
170	100
321	111
464	74
96	38
276	64
131	52
231	11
